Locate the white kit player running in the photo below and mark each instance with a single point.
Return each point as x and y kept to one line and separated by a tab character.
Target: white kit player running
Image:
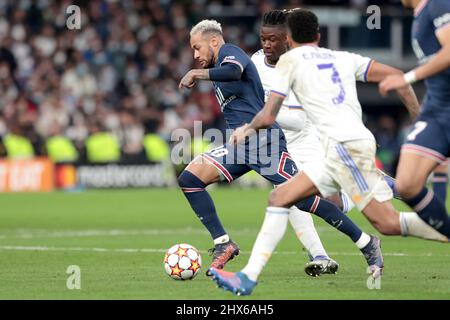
324	81
305	149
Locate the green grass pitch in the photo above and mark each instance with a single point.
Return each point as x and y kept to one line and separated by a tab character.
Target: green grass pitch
118	239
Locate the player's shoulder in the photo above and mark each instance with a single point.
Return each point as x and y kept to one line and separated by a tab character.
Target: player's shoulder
258	56
231	51
290	54
229	47
347	55
292	57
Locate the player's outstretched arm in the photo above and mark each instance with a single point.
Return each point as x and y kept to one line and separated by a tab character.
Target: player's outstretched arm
263	119
439	63
379	71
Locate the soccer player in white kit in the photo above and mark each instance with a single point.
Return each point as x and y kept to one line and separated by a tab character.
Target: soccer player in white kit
301	136
324	81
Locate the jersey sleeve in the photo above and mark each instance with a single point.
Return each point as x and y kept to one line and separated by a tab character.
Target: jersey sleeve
283	76
292	102
361	66
230	54
439	11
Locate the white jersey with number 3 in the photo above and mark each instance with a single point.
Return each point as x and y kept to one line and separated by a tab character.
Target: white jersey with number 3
324	82
302	138
291	116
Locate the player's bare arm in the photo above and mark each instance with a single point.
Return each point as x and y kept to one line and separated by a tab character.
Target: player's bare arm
264	119
438	63
379	71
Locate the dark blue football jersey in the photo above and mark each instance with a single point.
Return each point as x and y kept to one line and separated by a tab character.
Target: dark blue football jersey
239	100
430	16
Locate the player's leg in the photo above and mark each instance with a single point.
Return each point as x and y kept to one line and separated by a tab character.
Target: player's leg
412	173
288	194
302	186
426	147
352	167
304	228
318	175
360	178
193	181
305	187
276	219
204	170
440	181
306	150
270	234
273	227
272	231
342	201
283	197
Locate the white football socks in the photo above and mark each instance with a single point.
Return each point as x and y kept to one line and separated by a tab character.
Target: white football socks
272	231
223	239
363	240
303	225
412	225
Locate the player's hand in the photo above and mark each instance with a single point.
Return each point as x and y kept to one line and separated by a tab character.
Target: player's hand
392	82
239	135
188	81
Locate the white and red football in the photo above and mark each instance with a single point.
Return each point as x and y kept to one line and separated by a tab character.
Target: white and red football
182	262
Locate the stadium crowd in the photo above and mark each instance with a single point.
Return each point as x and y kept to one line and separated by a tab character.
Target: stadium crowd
118	74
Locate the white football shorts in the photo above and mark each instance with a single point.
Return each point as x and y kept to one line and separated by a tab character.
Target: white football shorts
350	166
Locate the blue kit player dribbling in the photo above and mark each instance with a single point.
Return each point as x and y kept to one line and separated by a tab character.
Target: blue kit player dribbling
241	96
428	144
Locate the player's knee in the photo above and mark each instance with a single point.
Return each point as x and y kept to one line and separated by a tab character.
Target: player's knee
189	180
274	199
408	188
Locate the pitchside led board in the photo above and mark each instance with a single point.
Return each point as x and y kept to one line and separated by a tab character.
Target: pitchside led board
42	175
26	175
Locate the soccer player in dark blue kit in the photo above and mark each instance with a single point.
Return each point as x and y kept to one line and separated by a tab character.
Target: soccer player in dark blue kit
241	96
428	144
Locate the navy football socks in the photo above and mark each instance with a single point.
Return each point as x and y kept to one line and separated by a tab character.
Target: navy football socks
201	202
431	210
440	181
331	214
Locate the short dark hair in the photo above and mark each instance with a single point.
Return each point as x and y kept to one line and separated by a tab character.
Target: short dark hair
304	25
275	18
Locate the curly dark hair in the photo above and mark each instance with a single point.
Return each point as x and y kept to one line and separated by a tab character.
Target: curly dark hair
275	18
304	25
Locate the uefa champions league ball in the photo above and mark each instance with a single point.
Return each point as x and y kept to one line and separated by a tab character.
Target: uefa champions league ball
182	262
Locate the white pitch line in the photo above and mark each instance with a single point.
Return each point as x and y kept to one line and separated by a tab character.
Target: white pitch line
29	234
154	250
43	233
45	248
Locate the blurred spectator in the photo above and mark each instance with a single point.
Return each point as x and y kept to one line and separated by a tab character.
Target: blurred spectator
118	75
389	142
